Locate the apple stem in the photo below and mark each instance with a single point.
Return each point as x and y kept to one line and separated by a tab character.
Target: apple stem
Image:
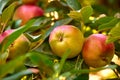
60	39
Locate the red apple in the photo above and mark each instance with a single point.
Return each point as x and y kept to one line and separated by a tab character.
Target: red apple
18	47
66	37
5	34
29	1
96	52
26	12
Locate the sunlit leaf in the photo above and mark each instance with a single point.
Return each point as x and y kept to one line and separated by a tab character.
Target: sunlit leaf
114	33
83	14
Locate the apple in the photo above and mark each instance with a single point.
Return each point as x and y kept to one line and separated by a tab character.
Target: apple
18	47
96	52
29	1
66	37
26	12
5	34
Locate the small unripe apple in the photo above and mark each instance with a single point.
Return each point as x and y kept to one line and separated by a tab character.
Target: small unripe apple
96	52
29	1
66	37
26	12
18	47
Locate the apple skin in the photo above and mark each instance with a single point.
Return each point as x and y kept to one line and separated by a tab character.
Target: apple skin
26	12
66	37
96	52
5	34
18	47
29	1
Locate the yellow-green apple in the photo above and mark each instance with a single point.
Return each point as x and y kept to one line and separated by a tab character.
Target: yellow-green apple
26	12
18	47
96	52
66	37
29	1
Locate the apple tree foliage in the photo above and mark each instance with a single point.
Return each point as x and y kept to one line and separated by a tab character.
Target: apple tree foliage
90	16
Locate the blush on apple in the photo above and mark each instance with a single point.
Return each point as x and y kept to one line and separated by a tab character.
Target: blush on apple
5	34
96	52
26	12
66	37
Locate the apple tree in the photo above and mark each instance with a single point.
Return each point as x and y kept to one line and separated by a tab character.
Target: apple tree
32	52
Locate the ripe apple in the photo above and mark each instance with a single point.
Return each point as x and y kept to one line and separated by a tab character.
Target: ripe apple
18	47
29	1
96	52
66	37
26	12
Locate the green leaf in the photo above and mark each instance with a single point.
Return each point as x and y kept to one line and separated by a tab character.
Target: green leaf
42	61
74	4
3	57
87	2
2	5
9	39
64	57
83	14
18	75
11	66
7	14
82	71
100	21
41	22
114	33
108	25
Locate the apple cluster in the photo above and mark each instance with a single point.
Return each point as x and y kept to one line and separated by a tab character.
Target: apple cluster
27	11
95	51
